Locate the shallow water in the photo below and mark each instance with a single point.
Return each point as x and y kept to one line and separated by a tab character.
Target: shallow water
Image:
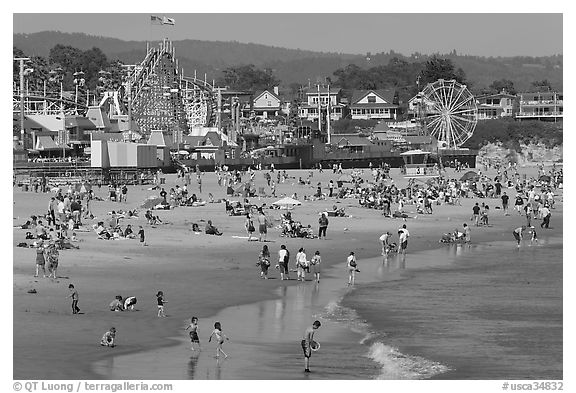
495	313
455	313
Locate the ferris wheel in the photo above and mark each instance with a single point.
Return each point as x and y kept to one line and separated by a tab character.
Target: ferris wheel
450	112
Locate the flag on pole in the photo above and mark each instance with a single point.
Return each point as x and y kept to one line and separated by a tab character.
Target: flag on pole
168	21
155	20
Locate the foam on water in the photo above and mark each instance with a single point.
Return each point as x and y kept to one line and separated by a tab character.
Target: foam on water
394	364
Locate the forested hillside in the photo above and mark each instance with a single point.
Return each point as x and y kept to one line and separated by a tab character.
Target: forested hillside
291	66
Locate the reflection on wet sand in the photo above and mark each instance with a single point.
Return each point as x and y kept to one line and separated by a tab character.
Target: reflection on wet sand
192	363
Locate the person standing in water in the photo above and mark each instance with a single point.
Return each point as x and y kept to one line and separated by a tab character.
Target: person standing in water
352	266
219	336
193	326
307	344
315	265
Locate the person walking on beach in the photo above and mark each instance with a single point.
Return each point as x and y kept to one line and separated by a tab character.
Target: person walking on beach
301	264
193	326
352	268
505	199
262	225
74	296
331	187
518	204
545	211
219	337
283	258
51	256
528	211
518	234
306	344
109	338
40	259
315	265
161	302
249	225
476	214
264	262
323	225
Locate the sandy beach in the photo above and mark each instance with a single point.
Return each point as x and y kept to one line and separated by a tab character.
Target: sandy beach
206	276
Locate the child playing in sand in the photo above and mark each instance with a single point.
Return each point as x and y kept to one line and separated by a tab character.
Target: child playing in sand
74	296
108	338
142	237
194	333
130	302
219	336
116	304
161	302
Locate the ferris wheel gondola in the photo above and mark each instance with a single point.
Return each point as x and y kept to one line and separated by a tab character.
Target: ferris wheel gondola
449	113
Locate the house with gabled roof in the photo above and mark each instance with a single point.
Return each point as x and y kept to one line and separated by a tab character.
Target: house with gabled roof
325	97
381	104
267	103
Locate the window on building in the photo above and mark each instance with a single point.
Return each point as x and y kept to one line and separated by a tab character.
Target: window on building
371	99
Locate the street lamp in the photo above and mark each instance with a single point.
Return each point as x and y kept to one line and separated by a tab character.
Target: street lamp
23	72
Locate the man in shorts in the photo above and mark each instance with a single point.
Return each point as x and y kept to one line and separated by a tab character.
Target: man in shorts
262	225
476	214
505	199
306	344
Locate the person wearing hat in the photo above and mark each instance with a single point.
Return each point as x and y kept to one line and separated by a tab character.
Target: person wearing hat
40	260
108	339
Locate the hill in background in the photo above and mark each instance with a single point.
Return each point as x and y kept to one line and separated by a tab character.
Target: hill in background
295	65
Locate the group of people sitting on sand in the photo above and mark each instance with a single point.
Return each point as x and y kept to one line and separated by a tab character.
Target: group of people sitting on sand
294	228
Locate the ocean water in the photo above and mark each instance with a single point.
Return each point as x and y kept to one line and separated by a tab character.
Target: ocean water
494	313
484	312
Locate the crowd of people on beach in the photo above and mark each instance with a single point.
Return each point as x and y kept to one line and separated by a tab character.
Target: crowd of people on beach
534	199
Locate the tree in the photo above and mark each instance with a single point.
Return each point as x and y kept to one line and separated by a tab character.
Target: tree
543	85
248	77
70	59
503	85
438	68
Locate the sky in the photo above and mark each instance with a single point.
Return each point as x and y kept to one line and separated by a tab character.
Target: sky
486	34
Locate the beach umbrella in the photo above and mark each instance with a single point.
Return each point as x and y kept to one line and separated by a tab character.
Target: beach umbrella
470	175
287	201
544	178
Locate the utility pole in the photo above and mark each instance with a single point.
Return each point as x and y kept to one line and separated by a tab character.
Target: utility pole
22	130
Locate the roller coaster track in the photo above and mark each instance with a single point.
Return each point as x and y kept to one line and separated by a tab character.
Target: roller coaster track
164	99
36	103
